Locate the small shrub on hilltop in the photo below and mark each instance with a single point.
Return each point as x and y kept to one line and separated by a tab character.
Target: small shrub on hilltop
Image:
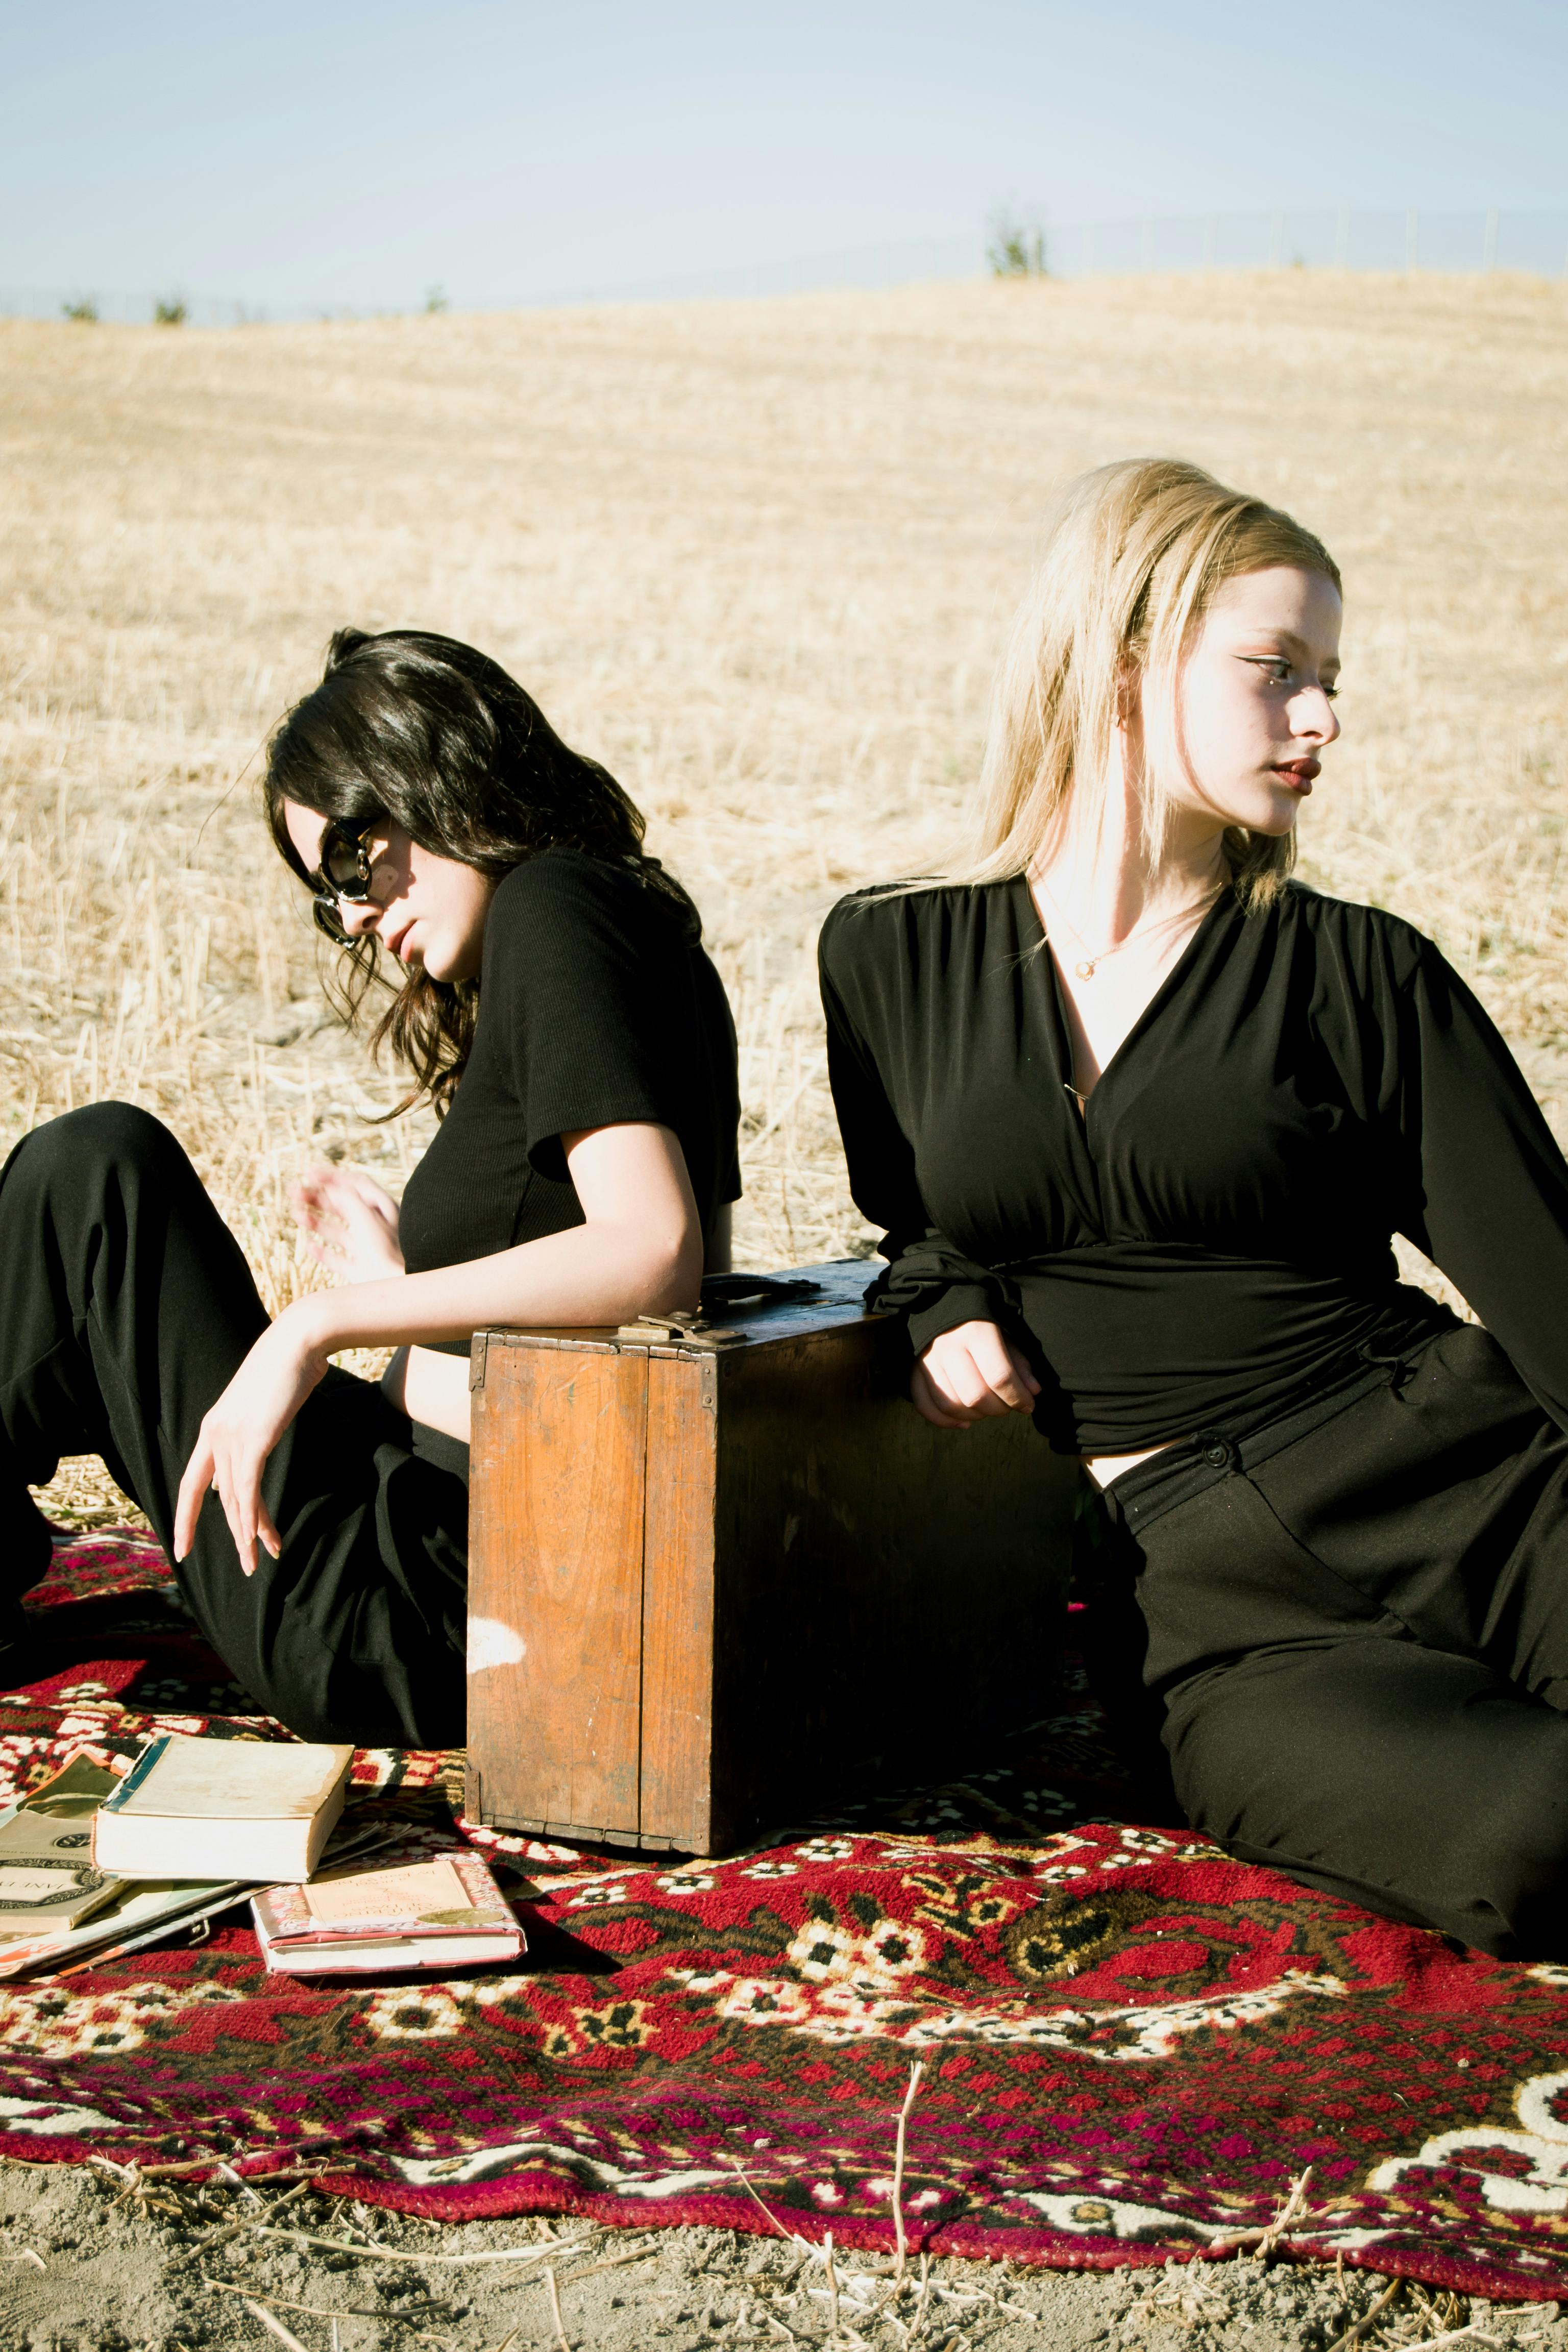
1017	248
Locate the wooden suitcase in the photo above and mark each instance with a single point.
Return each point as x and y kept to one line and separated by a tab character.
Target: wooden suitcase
719	1570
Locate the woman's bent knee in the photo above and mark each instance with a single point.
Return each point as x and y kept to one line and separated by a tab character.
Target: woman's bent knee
100	1134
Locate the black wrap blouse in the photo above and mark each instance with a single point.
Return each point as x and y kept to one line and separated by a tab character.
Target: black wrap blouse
597	1006
1208	1242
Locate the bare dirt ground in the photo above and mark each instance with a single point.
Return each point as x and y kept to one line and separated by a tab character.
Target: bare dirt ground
124	2268
758	559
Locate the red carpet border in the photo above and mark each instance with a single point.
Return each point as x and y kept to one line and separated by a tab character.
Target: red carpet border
1131	2045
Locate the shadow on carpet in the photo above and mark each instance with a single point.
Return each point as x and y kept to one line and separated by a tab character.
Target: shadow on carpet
1131	2045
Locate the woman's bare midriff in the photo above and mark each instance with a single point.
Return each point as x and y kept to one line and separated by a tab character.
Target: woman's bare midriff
1103	1467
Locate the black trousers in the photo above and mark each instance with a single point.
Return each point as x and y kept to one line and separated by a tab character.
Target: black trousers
126	1306
1353	1637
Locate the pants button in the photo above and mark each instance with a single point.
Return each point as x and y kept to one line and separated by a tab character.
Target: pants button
1219	1453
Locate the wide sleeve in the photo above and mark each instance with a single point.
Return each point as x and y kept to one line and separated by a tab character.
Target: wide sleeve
1487	1186
928	1280
583	991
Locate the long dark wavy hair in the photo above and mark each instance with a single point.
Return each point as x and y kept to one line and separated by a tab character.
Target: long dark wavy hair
425	731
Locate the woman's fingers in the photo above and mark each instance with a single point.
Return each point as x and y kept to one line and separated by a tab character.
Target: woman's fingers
193	1485
365	1190
1005	1373
240	1496
348	1224
212	1465
240	1513
237	1437
238	1481
309	1197
324	1196
928	1403
226	1460
973	1374
342	1190
988	1373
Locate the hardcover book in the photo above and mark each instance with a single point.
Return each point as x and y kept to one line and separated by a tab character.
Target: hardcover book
222	1809
444	1913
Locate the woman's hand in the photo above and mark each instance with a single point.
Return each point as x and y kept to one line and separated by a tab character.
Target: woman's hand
970	1373
350	1224
240	1431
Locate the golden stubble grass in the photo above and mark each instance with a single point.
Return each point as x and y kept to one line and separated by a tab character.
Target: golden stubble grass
758	558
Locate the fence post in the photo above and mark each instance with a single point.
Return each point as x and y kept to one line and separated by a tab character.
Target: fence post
1412	239
1489	243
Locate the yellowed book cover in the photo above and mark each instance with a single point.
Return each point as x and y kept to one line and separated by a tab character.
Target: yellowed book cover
223	1809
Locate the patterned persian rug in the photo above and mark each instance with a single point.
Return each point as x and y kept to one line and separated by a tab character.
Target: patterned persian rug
1130	2046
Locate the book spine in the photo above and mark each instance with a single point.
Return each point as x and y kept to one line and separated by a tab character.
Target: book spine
144	1764
478	1884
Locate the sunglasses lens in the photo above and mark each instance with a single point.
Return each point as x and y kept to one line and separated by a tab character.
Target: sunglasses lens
342	866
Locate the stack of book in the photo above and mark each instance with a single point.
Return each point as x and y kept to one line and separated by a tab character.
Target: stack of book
94	1865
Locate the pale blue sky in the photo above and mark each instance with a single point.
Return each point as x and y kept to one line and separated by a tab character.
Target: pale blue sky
353	151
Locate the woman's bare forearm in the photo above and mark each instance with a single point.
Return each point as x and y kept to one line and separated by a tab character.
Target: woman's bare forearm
596	1273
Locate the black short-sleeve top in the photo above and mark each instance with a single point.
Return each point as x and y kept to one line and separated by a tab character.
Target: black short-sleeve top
596	1007
1208	1241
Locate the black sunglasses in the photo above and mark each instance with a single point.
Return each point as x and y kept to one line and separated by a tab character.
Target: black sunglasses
343	875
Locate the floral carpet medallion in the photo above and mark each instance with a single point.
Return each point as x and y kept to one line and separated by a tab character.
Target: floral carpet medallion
1130	2046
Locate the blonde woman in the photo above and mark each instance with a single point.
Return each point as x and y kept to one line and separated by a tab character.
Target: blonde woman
1141	1116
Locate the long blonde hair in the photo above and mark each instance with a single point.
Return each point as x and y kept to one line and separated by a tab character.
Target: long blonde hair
1135	555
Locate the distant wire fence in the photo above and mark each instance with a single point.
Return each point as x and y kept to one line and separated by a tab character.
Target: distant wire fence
1535	243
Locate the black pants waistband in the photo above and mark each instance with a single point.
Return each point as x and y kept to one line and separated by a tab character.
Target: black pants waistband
1140	1496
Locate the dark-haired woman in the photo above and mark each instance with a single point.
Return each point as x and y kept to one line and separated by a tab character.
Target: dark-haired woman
556	1006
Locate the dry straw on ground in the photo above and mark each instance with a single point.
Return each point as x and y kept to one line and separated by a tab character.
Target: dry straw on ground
757	558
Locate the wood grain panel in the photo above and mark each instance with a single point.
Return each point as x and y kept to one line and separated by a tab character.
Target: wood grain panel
677	1605
555	1561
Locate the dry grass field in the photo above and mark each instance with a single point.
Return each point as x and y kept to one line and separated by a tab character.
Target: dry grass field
758	558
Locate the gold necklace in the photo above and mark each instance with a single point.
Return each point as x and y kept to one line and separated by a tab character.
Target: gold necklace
1086	969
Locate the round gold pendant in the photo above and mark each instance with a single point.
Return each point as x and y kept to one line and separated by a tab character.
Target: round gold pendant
1083	971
